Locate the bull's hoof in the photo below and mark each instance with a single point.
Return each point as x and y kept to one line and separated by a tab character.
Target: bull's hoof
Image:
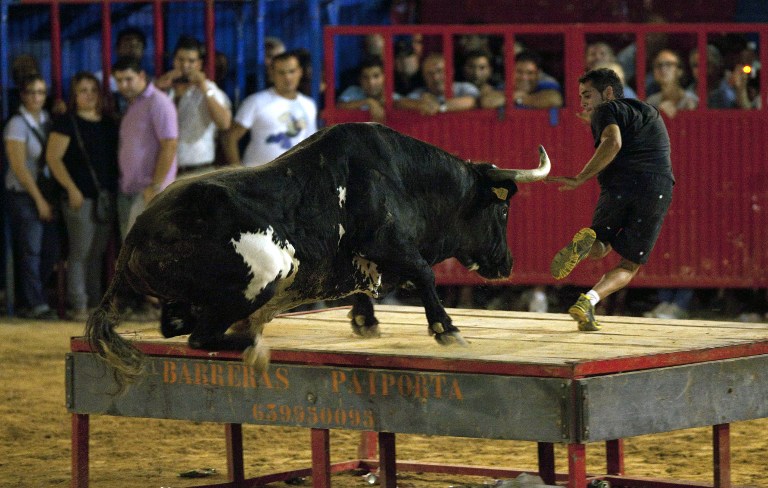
174	327
363	325
448	338
436	328
257	356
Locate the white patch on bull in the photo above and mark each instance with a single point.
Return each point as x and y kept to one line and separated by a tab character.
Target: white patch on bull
266	259
341	233
370	271
342	195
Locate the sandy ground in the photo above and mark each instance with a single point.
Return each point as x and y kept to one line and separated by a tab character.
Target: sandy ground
140	453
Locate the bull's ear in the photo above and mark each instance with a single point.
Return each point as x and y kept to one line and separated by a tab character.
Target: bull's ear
500	192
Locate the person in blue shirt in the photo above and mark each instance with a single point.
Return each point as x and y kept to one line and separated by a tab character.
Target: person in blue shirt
431	99
369	94
533	87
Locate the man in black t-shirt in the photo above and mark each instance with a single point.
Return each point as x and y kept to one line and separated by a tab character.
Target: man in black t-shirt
632	164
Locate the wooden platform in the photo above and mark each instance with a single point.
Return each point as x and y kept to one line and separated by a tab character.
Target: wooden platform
523	376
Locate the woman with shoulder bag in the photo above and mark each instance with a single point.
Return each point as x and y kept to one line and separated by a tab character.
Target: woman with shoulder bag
30	214
82	155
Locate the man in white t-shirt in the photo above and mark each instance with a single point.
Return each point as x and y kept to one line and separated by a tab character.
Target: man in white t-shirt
278	117
202	107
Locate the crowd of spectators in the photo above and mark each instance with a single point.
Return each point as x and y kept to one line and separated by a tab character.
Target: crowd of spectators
128	144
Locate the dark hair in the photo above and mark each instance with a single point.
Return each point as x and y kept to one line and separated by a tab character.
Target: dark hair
127	63
29	79
476	53
132	32
189	43
84	76
602	78
528	55
403	48
301	57
370	62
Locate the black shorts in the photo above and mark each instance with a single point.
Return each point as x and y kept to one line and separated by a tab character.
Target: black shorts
630	212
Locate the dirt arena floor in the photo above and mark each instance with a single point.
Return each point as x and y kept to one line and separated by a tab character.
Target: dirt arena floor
141	453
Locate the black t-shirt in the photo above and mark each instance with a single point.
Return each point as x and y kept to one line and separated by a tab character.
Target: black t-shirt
644	139
100	141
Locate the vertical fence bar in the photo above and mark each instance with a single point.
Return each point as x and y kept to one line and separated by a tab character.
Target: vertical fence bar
509	71
4	61
157	10
330	67
210	39
261	10
389	68
701	83
448	58
56	75
316	47
106	44
764	64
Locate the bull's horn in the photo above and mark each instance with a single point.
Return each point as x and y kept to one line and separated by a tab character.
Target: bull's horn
524	175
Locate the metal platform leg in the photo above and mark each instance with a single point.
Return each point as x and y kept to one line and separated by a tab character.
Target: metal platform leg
547	462
721	450
234	438
387	460
577	465
368	444
80	434
614	457
321	458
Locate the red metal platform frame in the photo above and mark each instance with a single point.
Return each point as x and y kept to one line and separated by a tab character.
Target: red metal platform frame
387	465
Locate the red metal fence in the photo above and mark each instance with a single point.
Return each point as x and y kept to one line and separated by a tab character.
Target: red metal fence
717	228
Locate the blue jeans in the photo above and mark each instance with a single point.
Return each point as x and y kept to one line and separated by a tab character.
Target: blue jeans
36	246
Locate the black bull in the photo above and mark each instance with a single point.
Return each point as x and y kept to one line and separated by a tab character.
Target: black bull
354	209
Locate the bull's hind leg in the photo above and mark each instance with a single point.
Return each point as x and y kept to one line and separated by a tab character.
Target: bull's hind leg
257	354
176	318
364	322
209	333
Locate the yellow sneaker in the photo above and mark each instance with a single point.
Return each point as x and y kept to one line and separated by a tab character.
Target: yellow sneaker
568	257
583	312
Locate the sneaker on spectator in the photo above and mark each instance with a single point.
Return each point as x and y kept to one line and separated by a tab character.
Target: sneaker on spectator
146	313
750	317
538	301
78	314
673	311
661	308
40	312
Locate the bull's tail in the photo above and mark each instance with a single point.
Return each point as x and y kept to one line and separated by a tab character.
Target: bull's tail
118	353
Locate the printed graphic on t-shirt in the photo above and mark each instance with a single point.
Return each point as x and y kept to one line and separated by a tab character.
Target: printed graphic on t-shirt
293	127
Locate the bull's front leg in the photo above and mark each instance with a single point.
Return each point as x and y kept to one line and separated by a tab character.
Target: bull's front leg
364	322
440	324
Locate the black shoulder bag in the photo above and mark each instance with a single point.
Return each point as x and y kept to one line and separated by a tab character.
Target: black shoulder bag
46	183
104	207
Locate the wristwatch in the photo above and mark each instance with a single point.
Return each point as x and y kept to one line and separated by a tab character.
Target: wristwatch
443	107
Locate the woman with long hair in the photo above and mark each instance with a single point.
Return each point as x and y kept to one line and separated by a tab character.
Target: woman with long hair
82	155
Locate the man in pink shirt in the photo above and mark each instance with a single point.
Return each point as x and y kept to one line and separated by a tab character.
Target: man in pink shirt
147	145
